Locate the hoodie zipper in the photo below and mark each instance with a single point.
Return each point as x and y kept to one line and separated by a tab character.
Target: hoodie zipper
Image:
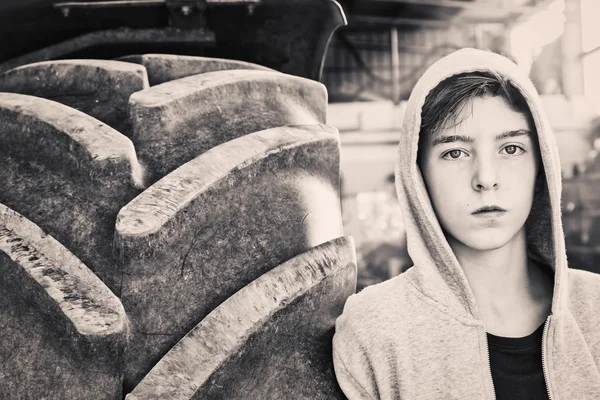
544	367
490	371
489	363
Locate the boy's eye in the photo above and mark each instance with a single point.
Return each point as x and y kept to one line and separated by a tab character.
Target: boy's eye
453	155
513	150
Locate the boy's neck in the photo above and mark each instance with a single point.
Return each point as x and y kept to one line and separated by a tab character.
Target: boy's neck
513	294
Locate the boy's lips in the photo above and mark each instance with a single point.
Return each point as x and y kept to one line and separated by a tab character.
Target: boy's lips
489	212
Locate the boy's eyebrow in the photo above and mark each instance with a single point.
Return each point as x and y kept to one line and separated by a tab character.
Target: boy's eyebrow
509	134
467	139
450	139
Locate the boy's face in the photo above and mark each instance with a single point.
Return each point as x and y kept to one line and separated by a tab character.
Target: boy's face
490	159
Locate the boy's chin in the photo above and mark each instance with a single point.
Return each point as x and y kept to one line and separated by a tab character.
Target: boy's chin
483	241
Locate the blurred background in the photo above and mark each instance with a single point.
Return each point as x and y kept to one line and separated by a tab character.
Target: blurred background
373	62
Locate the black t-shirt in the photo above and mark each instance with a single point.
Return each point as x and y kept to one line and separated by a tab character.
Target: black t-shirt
517	366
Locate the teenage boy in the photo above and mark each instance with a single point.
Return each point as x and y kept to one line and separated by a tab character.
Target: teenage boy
490	308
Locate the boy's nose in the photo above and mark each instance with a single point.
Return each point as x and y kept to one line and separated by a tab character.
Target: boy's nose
484	176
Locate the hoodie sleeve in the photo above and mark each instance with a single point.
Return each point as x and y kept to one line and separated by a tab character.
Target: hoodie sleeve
350	386
352	369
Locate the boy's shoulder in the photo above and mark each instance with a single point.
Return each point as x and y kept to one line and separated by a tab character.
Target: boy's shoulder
584	303
372	296
368	337
378	304
584	286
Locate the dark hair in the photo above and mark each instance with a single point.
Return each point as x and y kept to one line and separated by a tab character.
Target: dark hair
445	103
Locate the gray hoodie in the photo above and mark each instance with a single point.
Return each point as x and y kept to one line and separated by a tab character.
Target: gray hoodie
421	335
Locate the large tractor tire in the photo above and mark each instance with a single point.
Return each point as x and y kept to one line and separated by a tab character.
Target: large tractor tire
168	219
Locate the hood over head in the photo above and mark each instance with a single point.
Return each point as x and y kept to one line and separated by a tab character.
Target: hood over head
439	275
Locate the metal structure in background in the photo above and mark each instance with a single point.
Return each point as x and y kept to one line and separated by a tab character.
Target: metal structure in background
395	66
362	64
289	36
